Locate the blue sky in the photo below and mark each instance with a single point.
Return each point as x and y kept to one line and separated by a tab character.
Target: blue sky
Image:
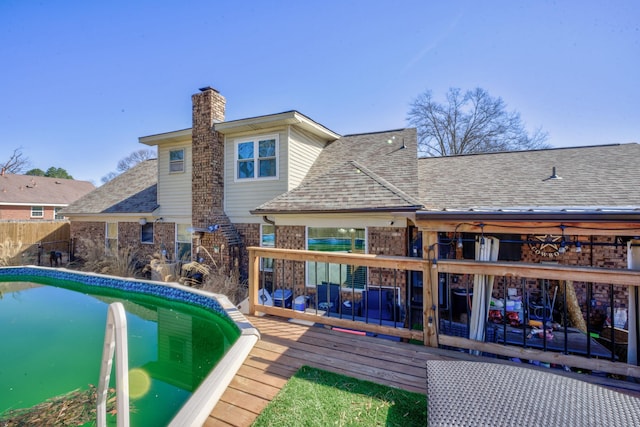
82	80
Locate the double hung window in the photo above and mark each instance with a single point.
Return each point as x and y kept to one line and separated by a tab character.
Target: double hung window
183	242
57	214
257	158
176	161
111	237
37	212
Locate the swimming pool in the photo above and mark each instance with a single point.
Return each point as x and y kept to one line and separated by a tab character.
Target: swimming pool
52	329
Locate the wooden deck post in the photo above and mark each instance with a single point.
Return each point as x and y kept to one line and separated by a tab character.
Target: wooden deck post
430	288
254	274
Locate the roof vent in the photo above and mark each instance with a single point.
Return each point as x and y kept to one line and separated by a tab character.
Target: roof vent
554	175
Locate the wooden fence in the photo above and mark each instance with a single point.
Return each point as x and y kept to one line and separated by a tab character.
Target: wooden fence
35	240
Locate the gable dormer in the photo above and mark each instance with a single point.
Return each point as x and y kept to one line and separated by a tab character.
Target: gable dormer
267	156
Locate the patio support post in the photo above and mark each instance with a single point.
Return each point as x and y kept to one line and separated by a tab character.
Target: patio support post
430	288
254	274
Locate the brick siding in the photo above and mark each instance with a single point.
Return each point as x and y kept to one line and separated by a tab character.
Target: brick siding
128	237
82	231
24	213
388	241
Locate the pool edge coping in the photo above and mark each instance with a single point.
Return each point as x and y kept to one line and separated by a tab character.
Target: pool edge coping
197	409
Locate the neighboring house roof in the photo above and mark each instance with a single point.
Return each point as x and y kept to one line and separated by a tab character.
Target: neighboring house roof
373	171
40	190
594	178
134	191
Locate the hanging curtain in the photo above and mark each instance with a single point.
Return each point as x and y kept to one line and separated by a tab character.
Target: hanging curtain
482	289
633	263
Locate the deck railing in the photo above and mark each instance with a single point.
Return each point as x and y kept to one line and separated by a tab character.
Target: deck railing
420	290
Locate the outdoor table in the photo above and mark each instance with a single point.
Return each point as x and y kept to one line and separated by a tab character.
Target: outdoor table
576	341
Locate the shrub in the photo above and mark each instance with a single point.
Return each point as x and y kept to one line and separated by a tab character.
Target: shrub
10	253
96	258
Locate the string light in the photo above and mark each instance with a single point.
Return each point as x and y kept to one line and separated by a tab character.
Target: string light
563	247
563	244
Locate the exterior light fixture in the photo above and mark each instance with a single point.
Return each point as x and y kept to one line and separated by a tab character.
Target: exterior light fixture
143	221
563	243
578	247
563	247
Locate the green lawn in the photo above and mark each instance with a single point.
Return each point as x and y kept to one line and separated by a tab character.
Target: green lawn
313	397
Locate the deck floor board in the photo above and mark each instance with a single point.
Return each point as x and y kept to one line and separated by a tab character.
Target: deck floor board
285	346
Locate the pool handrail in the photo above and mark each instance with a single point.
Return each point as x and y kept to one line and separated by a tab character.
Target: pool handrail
115	341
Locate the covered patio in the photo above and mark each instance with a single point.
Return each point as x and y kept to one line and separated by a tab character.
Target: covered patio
587	263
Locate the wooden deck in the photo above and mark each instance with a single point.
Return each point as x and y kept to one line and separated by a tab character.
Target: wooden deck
285	347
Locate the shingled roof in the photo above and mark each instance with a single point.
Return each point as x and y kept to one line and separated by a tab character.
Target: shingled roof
134	191
365	172
593	178
349	187
40	190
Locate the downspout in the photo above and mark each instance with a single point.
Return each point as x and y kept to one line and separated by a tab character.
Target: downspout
268	221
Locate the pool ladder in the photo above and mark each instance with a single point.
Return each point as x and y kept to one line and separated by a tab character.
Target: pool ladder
115	341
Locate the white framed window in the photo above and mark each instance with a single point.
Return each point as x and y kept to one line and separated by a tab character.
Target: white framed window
330	239
176	161
183	242
146	233
37	211
257	158
267	240
57	214
111	236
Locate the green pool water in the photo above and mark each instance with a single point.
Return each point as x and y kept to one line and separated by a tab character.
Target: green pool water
51	341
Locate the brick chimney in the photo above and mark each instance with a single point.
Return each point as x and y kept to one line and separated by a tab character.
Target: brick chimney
207	181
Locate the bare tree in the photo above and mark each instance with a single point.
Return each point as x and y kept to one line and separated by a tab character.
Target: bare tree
135	158
469	122
130	161
108	177
17	162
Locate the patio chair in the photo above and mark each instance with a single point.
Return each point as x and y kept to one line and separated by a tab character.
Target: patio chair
328	297
380	304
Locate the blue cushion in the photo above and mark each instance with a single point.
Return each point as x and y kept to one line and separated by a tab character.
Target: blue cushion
329	293
377	304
